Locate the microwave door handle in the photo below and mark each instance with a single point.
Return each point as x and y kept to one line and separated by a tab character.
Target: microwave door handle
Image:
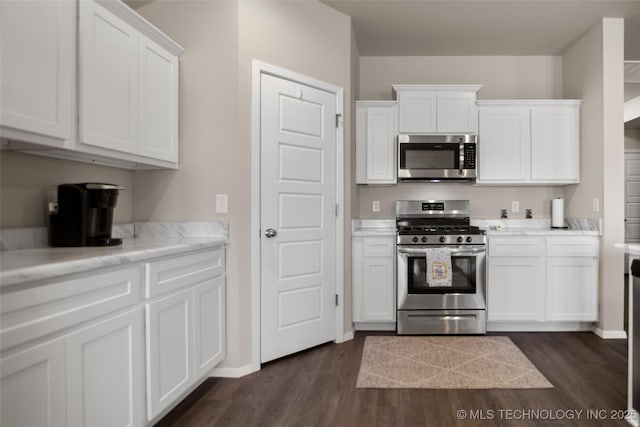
461	156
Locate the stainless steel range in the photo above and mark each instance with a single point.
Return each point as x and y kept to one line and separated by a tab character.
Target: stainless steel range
457	307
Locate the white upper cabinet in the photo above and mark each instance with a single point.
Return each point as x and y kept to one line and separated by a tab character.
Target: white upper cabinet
505	144
128	88
126	84
529	142
108	80
37	71
158	105
376	124
440	109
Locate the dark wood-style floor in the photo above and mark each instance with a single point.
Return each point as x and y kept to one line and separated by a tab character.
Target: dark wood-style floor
317	388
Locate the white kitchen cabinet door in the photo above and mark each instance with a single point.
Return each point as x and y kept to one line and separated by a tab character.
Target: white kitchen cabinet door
209	325
378	291
374	281
106	373
504	145
376	142
108	80
457	113
572	289
555	144
33	387
158	102
169	338
37	70
515	290
417	111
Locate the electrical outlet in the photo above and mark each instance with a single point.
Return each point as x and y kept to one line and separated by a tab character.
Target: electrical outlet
596	205
376	206
222	203
515	206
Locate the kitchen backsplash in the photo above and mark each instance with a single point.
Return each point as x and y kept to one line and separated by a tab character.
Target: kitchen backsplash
36	237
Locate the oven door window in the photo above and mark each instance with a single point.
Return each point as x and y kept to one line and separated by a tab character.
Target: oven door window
464	276
429	156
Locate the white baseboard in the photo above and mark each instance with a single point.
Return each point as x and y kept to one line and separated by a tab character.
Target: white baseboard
233	372
609	335
374	326
348	336
494	326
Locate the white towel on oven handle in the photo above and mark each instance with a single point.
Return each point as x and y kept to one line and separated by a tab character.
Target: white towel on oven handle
439	271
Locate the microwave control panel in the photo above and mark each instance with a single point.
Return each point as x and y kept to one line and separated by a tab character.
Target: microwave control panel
469	156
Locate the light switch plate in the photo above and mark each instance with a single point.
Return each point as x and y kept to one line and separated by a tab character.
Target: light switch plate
376	205
596	205
515	206
222	202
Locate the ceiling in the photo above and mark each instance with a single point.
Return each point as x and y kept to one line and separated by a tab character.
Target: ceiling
481	27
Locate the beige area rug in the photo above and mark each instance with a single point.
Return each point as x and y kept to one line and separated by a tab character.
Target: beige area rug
446	362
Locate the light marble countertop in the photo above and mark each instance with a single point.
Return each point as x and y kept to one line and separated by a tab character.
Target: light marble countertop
540	232
630	248
28	265
373	227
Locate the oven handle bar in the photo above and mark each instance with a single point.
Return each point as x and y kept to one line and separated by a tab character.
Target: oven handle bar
457	250
439	317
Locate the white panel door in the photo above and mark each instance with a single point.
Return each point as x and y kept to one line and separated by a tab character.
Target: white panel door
515	288
555	144
158	82
37	66
504	144
106	373
457	112
572	289
298	203
169	347
108	80
208	325
33	387
417	112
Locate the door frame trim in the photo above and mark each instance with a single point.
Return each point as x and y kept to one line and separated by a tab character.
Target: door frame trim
259	68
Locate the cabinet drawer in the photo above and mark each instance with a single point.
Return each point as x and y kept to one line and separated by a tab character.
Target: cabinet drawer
516	246
33	313
179	272
572	247
379	247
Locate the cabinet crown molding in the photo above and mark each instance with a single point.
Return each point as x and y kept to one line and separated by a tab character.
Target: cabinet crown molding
528	102
437	87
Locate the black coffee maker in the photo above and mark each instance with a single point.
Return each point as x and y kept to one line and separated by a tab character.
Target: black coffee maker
83	215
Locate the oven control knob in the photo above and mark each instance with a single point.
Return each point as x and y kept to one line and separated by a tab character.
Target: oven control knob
443	239
460	239
415	240
424	240
469	239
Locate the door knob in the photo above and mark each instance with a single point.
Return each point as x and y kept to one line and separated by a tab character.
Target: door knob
270	232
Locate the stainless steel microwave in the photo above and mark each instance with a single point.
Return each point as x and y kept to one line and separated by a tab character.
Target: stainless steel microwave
436	157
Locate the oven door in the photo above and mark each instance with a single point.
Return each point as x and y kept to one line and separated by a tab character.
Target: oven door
468	288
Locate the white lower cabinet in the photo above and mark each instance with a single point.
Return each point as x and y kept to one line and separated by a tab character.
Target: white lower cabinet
374	282
32	384
79	351
105	379
539	280
169	348
572	289
516	288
